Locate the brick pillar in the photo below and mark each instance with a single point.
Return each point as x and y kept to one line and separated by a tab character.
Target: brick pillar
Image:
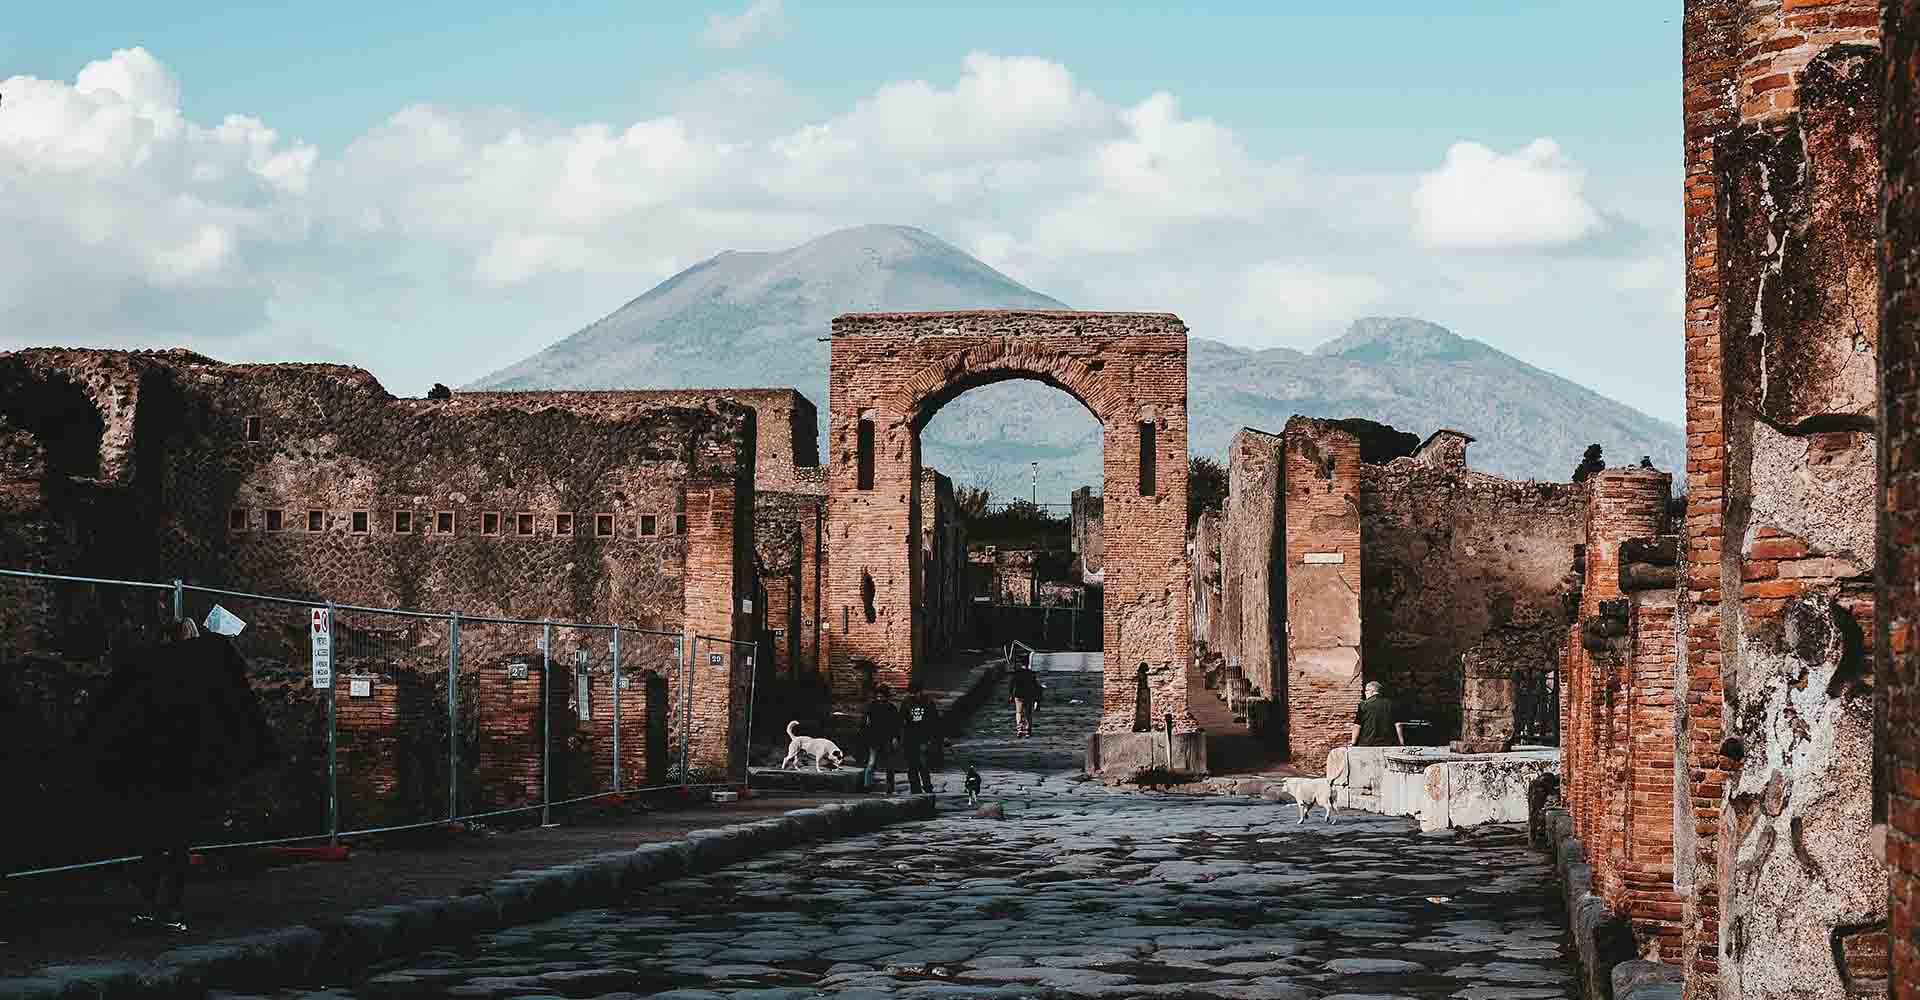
1647	895
1898	589
507	766
1321	524
598	728
367	743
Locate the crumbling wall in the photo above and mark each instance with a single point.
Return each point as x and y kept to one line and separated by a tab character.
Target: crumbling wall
1088	538
1253	567
1898	593
1783	109
1321	478
942	604
1460	562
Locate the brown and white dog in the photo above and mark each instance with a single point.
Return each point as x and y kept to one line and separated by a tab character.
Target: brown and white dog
1310	792
821	749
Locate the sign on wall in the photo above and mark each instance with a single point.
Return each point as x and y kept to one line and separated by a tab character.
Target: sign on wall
716	659
1324	558
322	634
516	671
360	687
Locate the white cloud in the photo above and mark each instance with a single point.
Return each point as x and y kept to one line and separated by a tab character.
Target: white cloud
1480	198
485	234
730	31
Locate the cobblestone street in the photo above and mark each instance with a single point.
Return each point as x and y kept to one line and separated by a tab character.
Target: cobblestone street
1078	892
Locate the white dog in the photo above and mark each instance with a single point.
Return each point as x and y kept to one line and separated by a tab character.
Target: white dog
821	749
1310	792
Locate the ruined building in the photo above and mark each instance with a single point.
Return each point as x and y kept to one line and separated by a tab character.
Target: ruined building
1348	552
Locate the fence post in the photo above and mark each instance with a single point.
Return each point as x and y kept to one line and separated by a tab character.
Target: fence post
753	687
179	602
453	717
687	648
546	724
616	708
333	770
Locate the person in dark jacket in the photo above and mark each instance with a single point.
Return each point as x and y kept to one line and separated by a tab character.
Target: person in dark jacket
880	729
919	729
175	727
1025	689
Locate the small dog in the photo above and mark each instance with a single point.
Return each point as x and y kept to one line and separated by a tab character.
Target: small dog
1310	792
973	786
821	749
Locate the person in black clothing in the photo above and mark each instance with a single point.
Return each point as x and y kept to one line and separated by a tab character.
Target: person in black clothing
919	726
176	724
1374	724
1025	685
880	728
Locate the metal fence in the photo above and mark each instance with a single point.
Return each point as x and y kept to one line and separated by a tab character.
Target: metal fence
385	719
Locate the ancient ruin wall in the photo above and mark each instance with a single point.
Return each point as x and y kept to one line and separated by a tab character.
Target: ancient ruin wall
892	372
1252	566
1461	565
1783	110
1321	478
1898	596
943	604
1088	538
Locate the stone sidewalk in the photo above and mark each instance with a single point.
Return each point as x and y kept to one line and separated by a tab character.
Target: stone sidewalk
82	917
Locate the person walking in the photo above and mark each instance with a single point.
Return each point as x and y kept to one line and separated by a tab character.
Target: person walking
919	730
880	729
1025	688
1374	724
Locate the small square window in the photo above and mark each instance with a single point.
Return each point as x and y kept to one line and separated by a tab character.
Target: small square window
679	524
443	522
253	428
603	525
489	523
237	519
649	525
316	520
563	524
276	520
523	525
403	522
360	520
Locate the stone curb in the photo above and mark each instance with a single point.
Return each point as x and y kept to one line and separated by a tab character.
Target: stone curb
337	949
1602	940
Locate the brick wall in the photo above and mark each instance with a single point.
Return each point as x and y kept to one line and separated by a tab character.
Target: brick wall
1782	104
897	370
1898	594
1252	570
1321	525
1088	537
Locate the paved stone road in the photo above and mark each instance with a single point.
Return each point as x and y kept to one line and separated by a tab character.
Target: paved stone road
1078	893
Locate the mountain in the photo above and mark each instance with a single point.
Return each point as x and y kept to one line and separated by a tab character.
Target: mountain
757	319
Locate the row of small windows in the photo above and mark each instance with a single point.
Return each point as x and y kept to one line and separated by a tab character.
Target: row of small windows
446	522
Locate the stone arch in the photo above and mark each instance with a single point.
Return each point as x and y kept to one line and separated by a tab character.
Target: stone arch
892	372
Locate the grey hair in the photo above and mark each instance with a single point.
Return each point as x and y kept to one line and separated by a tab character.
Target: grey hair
1373	687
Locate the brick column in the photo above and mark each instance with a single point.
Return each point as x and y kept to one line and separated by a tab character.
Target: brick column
1898	589
1321	524
367	749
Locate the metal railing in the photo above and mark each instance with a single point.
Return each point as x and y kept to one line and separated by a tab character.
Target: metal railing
60	633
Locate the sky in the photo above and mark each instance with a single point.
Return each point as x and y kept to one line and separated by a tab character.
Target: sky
434	191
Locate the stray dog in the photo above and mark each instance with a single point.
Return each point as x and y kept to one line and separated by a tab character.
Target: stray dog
973	786
1310	792
821	749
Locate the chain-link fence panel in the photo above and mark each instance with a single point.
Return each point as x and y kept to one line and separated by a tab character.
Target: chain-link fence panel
393	757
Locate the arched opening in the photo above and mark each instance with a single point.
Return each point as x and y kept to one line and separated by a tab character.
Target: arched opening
1014	452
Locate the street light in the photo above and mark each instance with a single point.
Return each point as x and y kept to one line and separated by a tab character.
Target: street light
1036	484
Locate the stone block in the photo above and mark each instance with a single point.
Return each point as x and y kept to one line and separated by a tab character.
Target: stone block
1120	757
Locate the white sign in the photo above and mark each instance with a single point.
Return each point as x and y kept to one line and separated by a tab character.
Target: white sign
360	687
220	621
541	643
1325	558
516	671
322	629
746	605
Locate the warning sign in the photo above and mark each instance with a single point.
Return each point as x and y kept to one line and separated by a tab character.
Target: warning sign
322	648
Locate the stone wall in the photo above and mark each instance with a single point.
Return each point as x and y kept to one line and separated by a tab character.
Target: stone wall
1253	575
943	602
790	542
1898	603
1783	105
311	480
1088	535
1461	565
1321	476
892	372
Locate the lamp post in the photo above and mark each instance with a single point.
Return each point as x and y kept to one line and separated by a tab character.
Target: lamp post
1036	484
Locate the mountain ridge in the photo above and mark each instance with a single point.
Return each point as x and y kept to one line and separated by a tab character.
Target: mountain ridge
758	316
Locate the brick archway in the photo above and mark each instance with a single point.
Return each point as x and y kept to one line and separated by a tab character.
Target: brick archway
891	372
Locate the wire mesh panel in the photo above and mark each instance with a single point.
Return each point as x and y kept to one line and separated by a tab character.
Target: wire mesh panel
650	674
391	717
58	640
504	677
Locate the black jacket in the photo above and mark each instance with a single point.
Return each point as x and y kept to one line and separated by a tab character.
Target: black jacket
1026	685
178	715
881	724
920	719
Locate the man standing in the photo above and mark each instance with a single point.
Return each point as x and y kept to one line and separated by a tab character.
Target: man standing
879	728
919	726
1025	685
1374	724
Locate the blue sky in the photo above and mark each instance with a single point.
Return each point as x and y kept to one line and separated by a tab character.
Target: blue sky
1352	111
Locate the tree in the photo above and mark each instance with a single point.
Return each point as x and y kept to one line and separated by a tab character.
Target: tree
1590	463
439	392
972	501
1206	487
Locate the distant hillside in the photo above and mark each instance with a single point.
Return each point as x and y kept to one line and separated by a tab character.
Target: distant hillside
757	319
